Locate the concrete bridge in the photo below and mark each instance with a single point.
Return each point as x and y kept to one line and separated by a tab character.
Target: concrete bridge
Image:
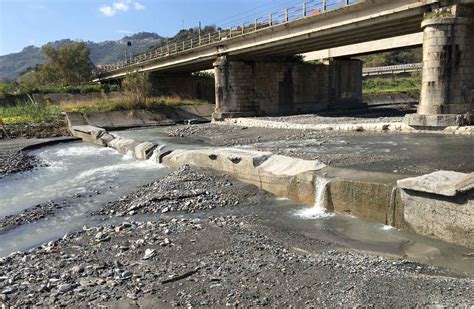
256	72
392	70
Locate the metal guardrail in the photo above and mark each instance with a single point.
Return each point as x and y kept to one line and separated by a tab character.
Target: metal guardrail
393	69
291	14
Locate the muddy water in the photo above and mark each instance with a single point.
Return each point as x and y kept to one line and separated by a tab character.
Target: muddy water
85	177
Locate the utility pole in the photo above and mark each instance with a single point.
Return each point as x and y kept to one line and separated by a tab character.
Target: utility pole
199	33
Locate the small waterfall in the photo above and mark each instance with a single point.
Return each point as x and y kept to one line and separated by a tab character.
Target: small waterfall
154	155
317	211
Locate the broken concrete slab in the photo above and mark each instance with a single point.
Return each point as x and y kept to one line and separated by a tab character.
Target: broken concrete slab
76	119
144	150
124	146
88	134
447	183
281	165
466	184
106	138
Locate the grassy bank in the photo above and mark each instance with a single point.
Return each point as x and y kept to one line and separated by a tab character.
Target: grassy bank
386	86
27	111
30	111
117	104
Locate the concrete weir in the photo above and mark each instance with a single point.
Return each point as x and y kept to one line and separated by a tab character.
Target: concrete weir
439	205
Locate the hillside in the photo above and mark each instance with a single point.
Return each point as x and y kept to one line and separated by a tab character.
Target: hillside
107	52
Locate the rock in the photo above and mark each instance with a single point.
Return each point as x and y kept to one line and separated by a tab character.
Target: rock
63	288
77	269
102	237
9	290
149	253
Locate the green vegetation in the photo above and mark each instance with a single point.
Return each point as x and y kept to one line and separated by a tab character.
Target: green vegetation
69	65
29	111
137	86
5	89
398	85
118	104
405	56
82	89
438	14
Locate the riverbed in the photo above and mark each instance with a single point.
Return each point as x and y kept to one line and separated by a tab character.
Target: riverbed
128	232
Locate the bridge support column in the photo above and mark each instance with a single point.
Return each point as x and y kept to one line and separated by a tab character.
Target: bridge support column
447	94
282	87
345	84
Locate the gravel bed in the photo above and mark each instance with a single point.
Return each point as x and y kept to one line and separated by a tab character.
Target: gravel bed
219	261
187	190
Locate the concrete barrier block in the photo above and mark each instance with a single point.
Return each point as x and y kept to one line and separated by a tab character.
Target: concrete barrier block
443	217
280	175
76	119
106	138
144	150
447	183
88	134
365	200
124	146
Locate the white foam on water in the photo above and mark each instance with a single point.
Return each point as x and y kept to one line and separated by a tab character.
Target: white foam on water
317	211
112	169
387	227
82	151
313	213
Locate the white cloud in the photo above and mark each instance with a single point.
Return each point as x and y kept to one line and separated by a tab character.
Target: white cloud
107	10
138	6
122	5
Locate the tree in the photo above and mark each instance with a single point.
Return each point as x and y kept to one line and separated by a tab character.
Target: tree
69	65
137	85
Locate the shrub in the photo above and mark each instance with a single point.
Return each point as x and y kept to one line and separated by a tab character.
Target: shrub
137	86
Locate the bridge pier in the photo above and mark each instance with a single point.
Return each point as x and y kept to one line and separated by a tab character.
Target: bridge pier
345	84
447	94
282	87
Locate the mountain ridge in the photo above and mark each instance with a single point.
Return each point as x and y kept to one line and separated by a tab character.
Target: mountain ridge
105	52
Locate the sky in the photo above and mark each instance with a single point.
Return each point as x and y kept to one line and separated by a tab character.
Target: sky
36	22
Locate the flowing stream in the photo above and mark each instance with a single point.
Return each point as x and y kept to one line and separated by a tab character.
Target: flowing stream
86	177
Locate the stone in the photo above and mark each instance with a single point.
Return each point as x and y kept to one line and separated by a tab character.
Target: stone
445	183
63	288
149	253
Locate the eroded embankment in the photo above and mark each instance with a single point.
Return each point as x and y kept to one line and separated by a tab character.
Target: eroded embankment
376	197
